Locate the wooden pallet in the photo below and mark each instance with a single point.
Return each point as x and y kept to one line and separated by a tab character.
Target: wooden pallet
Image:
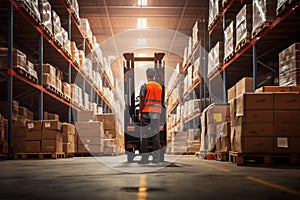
69	155
46	29
67	98
25	74
39	155
229	57
222	155
57	42
262	27
54	90
242	43
284	7
263	158
29	11
214	21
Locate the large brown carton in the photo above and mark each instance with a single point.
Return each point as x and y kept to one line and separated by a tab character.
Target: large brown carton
90	129
34	130
256	129
287	145
85	116
231	93
68	128
286	123
252	144
110	121
273	89
244	85
33	146
223	144
258	116
51	125
51	134
253	101
52	146
287	101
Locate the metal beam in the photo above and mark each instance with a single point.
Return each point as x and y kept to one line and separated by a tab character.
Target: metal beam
41	61
254	63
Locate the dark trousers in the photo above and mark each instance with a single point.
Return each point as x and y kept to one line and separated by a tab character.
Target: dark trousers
150	128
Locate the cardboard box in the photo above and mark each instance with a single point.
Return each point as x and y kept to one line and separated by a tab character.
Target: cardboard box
34	125
19	144
218	113
252	144
111	132
52	146
287	145
23	111
244	85
51	134
287	101
52	116
51	125
68	137
231	93
68	128
258	116
256	129
273	89
68	148
33	135
223	130
33	146
223	144
85	116
253	101
286	123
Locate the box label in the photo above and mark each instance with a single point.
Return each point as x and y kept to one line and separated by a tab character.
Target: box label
47	124
282	142
30	125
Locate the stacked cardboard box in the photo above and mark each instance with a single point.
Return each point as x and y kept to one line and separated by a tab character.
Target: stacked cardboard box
66	89
57	32
286	122
223	137
215	9
86	29
229	40
215	58
75	9
3	135
33	6
244	24
76	94
90	137
68	137
75	53
51	137
252	123
33	137
15	109
289	65
19	59
66	41
196	36
264	11
46	15
49	75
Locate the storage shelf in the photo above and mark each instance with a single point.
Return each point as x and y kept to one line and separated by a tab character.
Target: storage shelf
192	88
192	55
190	118
64	56
256	39
172	107
173	87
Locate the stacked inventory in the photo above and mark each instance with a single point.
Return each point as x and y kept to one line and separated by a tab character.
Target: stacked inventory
214	12
3	136
289	65
229	41
215	58
264	12
243	26
214	116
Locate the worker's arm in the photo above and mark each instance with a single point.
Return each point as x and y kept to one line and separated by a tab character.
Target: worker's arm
142	100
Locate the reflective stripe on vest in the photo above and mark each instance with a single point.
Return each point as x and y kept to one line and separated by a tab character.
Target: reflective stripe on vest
153	98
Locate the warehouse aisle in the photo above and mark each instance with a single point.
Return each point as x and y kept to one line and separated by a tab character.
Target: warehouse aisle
187	178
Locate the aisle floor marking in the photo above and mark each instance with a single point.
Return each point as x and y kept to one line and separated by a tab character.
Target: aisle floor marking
273	185
215	167
142	193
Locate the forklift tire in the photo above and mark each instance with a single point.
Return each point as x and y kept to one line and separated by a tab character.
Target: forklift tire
130	157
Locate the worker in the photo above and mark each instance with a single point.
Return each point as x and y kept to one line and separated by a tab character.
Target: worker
150	110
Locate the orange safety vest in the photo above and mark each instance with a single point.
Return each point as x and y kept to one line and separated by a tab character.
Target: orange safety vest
153	98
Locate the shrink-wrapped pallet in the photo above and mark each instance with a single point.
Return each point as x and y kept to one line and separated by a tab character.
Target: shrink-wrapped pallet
244	24
229	40
57	32
46	15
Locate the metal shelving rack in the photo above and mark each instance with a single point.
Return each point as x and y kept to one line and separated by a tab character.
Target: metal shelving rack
278	27
71	69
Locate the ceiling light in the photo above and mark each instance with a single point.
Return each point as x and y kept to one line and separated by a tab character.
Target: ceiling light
142	2
142	23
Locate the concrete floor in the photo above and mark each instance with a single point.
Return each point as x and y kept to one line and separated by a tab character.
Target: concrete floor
186	178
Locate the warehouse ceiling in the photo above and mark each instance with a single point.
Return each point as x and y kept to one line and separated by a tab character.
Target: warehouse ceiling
169	23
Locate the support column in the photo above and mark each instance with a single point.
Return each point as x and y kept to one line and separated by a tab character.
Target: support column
69	67
224	71
41	61
254	66
205	63
10	79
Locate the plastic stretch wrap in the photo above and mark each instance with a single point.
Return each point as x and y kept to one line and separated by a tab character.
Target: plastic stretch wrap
244	23
46	14
229	40
33	5
263	11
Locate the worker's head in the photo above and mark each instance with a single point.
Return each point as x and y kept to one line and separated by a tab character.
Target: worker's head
150	72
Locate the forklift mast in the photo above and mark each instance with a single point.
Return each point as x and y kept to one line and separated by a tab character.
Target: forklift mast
131	122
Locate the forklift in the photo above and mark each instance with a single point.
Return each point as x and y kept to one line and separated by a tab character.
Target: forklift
132	125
